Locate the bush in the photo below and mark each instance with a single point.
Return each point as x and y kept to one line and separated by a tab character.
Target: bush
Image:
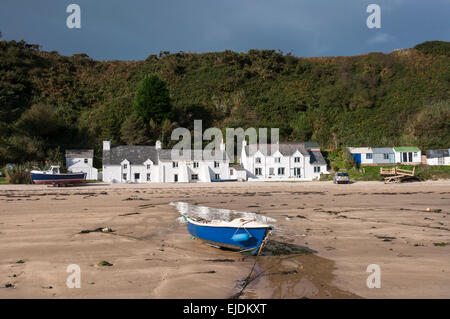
18	174
434	48
349	161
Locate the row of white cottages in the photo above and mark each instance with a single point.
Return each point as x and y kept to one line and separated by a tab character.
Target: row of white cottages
404	154
145	164
283	161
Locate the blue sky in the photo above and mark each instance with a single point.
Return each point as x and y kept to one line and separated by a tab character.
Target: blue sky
134	29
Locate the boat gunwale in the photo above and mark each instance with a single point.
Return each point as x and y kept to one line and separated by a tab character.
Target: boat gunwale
189	220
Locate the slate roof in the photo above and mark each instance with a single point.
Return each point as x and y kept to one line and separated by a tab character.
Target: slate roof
286	149
137	155
79	153
438	153
237	167
166	155
382	150
134	154
317	158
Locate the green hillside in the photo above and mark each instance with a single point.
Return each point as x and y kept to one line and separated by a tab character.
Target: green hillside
51	102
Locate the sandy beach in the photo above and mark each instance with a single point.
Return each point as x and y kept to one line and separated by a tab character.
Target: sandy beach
325	236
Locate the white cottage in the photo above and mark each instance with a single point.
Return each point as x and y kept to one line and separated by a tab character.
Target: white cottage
438	157
283	161
81	161
145	164
407	155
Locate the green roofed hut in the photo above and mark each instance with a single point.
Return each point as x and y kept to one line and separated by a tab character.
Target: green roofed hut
407	155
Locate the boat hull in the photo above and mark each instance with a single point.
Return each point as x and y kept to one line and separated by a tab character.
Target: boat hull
223	236
73	178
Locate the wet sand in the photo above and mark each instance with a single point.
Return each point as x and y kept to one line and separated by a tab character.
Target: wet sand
325	237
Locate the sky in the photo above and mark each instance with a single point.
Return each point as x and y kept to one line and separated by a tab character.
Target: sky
134	29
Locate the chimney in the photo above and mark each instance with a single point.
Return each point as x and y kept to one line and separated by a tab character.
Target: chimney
106	145
158	145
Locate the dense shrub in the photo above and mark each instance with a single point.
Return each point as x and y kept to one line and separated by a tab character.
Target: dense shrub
18	174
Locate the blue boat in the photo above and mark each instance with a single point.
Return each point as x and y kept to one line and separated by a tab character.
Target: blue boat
239	234
54	177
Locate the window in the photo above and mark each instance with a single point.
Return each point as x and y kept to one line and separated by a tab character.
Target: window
316	169
194	177
174	164
296	159
407	157
137	176
440	161
369	156
258	171
148	177
277	160
124	176
271	171
231	172
125	166
85	161
258	160
280	170
217	176
216	164
415	154
386	156
195	164
148	166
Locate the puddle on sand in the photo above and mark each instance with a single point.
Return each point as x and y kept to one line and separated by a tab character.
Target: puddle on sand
288	271
211	213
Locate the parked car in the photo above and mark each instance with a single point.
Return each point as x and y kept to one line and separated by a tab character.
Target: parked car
341	177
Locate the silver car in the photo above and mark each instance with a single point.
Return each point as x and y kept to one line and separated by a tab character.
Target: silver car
341	177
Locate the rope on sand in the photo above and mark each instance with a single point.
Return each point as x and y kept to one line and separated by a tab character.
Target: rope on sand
248	279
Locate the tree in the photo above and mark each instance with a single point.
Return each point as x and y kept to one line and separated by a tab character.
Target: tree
135	131
152	99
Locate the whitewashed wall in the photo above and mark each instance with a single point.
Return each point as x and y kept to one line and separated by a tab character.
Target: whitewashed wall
416	159
435	161
288	162
76	165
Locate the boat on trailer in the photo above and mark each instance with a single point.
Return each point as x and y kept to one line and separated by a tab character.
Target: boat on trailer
239	234
54	177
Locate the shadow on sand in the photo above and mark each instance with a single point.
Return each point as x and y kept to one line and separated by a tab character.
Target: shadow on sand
278	248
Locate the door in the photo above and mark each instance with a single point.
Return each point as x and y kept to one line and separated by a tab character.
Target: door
391	158
357	158
410	156
175	178
297	172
